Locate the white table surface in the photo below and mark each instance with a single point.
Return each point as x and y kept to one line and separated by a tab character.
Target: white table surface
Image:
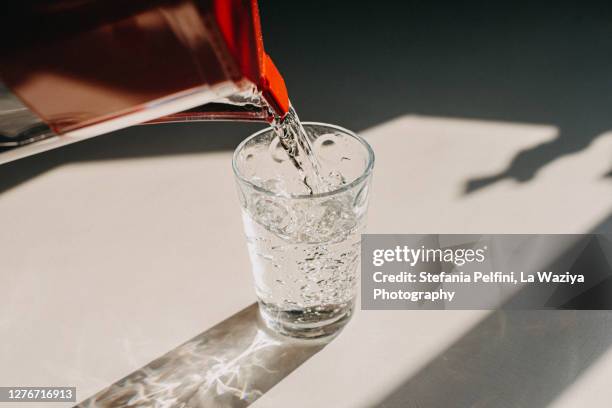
108	264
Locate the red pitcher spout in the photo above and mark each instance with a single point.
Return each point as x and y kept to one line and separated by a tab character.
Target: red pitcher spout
273	87
241	29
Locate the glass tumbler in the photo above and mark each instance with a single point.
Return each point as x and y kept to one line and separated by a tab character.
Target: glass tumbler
304	248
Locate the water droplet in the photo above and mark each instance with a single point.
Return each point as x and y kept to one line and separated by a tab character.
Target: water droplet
325	142
278	153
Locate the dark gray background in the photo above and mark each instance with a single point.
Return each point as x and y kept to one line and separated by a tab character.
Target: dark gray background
361	63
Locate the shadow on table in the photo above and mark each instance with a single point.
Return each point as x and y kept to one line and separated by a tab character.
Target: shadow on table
132	143
513	358
229	365
527	162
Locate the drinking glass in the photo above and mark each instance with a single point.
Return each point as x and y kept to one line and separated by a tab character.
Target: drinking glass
304	248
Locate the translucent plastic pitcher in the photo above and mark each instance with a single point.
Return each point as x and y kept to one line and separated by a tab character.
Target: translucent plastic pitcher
77	69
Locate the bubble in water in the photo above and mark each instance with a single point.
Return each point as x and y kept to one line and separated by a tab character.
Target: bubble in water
325	142
278	153
328	149
326	145
335	179
271	214
276	186
326	221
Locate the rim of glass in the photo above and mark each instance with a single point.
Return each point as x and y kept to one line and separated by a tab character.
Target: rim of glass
363	176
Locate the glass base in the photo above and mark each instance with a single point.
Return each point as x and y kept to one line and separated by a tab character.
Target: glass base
308	323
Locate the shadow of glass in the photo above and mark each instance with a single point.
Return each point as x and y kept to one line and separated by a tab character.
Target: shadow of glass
230	365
